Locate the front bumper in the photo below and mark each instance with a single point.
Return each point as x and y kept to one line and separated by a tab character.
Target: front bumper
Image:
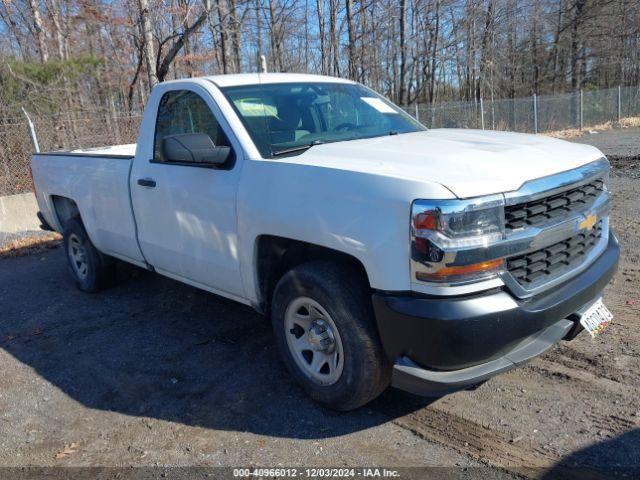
440	345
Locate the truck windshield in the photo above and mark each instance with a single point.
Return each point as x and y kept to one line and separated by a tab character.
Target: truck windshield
284	118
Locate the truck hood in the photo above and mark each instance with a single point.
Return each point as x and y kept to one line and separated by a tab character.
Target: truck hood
469	163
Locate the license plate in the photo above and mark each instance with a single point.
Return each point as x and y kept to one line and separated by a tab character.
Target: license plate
596	318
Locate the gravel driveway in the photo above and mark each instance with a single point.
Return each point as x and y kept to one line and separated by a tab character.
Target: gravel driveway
617	142
156	373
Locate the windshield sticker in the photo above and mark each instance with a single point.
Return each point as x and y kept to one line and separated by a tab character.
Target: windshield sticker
378	104
254	108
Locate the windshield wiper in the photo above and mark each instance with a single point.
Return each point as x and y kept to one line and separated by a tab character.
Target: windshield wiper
299	148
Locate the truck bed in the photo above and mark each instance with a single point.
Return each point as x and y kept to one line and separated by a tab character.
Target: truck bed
97	181
114	151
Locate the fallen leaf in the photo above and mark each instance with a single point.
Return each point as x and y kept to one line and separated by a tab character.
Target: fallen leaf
67	450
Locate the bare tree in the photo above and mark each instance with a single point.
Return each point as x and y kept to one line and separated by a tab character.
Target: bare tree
410	50
39	28
177	40
148	47
323	49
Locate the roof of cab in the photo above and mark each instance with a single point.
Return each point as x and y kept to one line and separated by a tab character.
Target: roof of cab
238	79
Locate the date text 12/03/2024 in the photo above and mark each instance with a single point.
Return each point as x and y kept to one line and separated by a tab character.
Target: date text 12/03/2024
316	472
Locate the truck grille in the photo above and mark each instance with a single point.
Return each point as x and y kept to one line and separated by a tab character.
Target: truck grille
550	262
545	210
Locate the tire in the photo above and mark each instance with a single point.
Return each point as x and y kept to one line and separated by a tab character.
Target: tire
330	298
91	270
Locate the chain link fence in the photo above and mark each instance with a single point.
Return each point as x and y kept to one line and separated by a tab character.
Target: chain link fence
534	114
58	132
71	130
18	207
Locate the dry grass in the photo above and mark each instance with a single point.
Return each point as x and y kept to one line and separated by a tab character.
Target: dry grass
627	122
30	245
630	122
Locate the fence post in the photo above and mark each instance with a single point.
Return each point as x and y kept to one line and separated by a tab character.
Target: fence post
493	113
619	104
417	112
481	113
32	130
535	113
581	110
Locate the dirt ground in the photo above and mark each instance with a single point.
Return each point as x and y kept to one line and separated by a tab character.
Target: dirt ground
155	373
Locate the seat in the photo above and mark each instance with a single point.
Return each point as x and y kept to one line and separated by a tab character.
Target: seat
284	127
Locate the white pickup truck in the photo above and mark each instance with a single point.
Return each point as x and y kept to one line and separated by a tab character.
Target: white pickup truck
383	252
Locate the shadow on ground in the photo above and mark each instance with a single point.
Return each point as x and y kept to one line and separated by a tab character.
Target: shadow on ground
618	457
156	348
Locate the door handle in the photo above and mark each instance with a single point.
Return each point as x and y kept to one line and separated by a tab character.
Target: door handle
146	182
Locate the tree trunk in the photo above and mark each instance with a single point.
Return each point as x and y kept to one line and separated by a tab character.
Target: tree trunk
576	80
41	37
235	36
323	48
222	29
488	25
352	40
333	35
434	53
403	52
54	13
166	62
147	43
258	31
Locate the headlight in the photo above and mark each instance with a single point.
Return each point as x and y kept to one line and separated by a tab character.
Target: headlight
448	237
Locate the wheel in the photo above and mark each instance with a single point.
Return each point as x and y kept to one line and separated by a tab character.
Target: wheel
91	270
324	327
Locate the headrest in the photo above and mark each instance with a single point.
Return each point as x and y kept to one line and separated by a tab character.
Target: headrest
288	114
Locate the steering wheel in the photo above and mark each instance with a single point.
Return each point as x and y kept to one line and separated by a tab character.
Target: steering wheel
345	126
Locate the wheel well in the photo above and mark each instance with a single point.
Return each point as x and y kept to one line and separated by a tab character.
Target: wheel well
275	256
65	209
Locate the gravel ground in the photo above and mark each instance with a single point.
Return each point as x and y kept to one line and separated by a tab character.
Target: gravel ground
618	142
621	146
156	373
7	238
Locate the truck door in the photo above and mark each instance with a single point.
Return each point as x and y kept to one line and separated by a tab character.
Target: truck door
186	211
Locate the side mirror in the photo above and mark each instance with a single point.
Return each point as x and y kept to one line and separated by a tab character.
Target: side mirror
193	148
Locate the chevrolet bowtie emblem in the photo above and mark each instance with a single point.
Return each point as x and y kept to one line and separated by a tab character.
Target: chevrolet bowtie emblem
588	222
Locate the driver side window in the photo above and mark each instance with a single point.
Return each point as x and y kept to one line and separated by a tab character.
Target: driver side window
183	111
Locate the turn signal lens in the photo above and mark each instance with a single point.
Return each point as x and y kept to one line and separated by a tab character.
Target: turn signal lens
426	220
467	271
